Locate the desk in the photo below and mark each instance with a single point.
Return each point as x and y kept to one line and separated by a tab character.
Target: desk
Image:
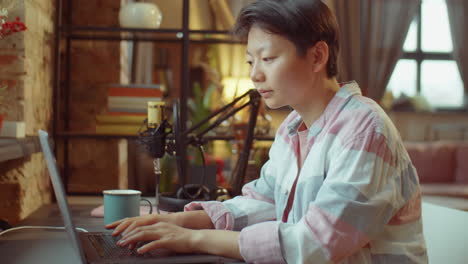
49	247
49	215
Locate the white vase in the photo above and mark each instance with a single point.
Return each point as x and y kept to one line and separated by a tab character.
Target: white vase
140	15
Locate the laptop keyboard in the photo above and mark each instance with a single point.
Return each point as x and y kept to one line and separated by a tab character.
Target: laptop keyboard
105	245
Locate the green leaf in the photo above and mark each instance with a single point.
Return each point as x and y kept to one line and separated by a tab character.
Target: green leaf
191	105
198	93
208	95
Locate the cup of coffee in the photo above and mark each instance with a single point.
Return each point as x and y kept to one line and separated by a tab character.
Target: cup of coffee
119	204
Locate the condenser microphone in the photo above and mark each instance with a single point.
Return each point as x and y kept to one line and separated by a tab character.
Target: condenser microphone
156	130
154	139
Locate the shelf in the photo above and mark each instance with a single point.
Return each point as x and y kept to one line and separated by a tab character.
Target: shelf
143	38
159	38
143	34
12	148
137	30
94	135
90	135
182	37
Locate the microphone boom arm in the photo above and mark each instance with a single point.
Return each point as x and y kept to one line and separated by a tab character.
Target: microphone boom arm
238	175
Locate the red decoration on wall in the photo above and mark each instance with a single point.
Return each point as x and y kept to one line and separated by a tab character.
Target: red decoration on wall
10	27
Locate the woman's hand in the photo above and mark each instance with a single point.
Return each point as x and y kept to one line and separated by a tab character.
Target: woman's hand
183	232
127	225
162	235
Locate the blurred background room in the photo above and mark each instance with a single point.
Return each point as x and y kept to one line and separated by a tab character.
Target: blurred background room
85	72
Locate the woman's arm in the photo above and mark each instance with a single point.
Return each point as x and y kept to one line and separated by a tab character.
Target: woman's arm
183	240
217	242
193	220
198	219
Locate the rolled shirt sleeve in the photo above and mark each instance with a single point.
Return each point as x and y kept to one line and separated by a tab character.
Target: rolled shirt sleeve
255	205
220	216
260	243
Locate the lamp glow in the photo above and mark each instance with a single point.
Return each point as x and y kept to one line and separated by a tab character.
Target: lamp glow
234	87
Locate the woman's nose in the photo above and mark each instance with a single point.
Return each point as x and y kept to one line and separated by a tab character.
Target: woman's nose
257	75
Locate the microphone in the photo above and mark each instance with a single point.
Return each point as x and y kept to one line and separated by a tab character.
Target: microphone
154	139
156	132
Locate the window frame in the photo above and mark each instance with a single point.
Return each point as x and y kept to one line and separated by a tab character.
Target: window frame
419	56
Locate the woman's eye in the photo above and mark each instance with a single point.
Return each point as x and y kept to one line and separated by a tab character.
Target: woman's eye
249	63
267	59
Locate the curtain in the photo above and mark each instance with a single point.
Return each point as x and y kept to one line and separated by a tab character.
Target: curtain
457	10
349	59
384	26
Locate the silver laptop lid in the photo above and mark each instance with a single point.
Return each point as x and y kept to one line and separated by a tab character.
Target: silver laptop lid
60	193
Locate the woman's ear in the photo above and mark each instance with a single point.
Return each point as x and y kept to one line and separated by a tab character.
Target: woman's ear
318	56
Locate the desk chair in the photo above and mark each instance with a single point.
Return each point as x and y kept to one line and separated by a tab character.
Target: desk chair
446	232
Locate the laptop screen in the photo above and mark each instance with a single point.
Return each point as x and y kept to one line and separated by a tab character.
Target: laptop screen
60	193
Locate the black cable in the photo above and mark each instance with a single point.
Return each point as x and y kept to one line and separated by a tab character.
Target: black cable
200	187
202	154
233	180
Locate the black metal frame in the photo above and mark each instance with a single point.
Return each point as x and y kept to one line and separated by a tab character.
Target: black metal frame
72	33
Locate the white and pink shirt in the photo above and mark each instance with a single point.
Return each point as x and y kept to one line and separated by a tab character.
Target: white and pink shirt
353	192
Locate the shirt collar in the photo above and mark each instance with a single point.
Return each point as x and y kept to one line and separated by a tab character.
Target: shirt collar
346	91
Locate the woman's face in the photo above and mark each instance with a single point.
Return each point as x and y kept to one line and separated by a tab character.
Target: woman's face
279	75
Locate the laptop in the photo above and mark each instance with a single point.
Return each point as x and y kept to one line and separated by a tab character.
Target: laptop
100	247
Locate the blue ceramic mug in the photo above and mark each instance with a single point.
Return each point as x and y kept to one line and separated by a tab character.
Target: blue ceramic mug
119	204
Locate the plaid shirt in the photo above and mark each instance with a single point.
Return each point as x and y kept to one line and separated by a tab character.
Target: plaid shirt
357	198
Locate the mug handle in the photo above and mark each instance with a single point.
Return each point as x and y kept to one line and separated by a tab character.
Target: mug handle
150	205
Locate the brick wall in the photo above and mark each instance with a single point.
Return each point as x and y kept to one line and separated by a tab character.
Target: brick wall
26	64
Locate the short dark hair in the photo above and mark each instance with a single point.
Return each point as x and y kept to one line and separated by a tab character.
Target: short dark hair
303	22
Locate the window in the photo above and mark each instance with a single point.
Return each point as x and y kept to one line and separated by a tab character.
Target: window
427	67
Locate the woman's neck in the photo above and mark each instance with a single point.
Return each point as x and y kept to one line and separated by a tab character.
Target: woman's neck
320	96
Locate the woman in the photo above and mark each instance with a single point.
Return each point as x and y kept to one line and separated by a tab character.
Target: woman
339	185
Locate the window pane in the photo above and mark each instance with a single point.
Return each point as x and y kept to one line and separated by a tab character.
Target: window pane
441	84
436	35
411	39
403	79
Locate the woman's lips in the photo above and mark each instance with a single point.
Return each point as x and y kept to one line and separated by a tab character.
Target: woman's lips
265	93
